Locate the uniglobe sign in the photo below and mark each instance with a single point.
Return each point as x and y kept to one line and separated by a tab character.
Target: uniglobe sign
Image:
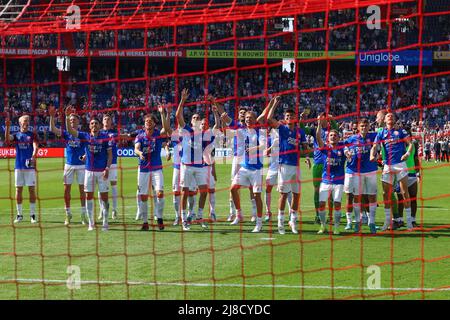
402	58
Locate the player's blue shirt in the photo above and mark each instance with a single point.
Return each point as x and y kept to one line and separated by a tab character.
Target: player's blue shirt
96	149
392	141
334	164
237	150
112	134
360	148
74	149
254	139
318	156
290	144
24	148
151	149
193	144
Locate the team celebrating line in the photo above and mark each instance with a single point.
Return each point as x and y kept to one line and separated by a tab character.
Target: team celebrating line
341	165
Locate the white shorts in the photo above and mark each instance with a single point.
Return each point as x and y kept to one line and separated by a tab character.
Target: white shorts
271	177
176	187
394	172
288	179
70	171
210	181
335	190
247	178
235	166
363	183
92	177
113	172
192	177
25	178
157	181
411	181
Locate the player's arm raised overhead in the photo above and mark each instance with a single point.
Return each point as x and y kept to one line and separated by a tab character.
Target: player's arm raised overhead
264	115
320	142
270	120
179	114
224	117
8	136
53	128
165	125
70	110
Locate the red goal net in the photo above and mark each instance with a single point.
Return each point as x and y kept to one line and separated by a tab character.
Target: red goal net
345	59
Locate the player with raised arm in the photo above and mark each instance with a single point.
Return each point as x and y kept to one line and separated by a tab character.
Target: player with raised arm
332	176
318	166
361	173
291	140
26	144
195	144
98	151
397	148
108	130
238	153
148	145
74	153
250	173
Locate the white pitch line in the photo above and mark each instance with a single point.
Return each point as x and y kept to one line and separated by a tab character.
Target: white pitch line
233	285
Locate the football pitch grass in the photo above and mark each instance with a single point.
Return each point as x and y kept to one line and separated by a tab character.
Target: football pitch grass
222	262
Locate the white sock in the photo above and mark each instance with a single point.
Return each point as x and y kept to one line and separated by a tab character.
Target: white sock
372	212
387	216
191	205
114	196
33	209
289	200
212	202
239	213
253	207
183	215
176	204
357	210
348	215
408	214
258	221
232	207
200	213
105	212
160	207
68	211
100	202
143	208
83	210
138	203
268	200
19	209
280	217
90	211
294	216
337	218
323	217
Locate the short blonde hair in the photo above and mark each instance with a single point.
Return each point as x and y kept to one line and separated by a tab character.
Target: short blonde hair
22	118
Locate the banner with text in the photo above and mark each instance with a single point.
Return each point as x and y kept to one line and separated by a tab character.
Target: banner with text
401	58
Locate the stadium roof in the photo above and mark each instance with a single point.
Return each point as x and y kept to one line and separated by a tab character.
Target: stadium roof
37	16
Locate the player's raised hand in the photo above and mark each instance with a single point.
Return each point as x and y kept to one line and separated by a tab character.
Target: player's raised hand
69	110
7	120
51	111
160	108
184	94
